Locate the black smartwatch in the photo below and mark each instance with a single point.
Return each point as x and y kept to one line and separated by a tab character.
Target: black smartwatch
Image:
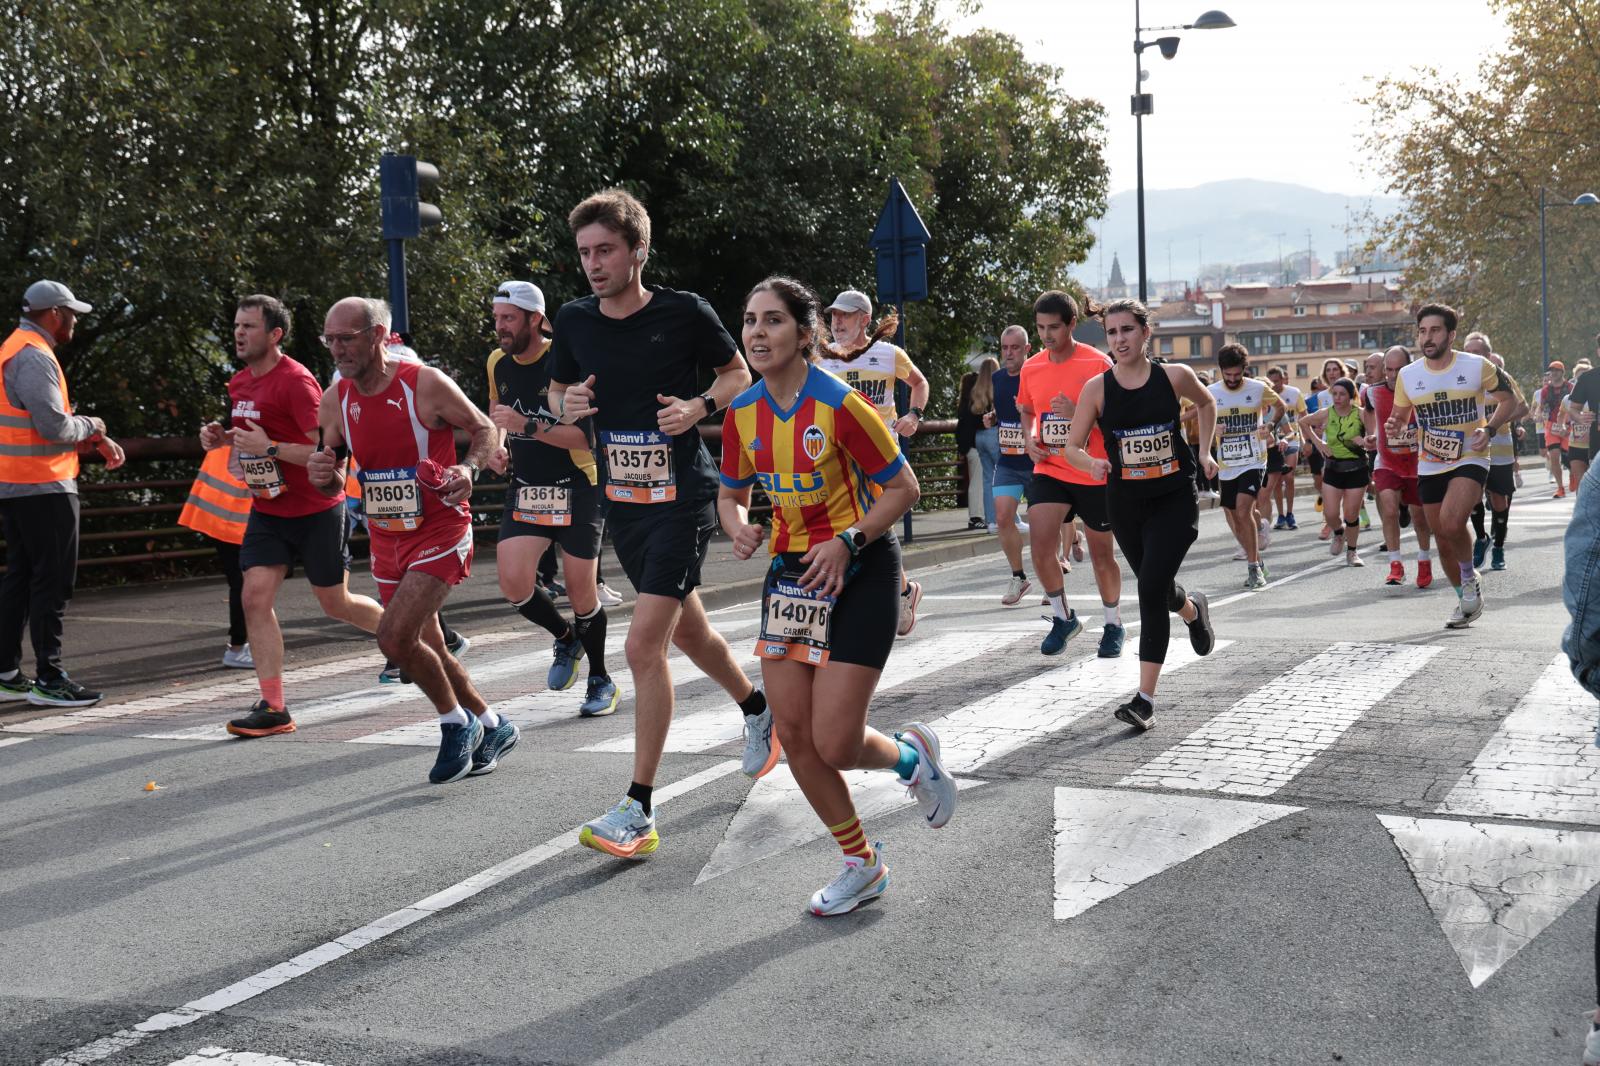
917	411
711	403
854	539
272	450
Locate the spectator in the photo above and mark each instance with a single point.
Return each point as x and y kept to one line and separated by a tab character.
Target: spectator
977	443
219	507
1581	594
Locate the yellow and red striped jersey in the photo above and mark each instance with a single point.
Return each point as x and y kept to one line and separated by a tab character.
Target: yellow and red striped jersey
820	463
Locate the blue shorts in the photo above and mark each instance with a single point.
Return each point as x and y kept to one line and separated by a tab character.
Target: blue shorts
1013	483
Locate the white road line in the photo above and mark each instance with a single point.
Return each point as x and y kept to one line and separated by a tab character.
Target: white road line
776	817
1542	762
221	1056
6	742
356	939
1260	743
1106	842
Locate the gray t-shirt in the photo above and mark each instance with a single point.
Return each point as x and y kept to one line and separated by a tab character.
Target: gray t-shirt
30	383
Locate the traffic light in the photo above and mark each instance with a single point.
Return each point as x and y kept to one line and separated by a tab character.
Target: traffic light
404	180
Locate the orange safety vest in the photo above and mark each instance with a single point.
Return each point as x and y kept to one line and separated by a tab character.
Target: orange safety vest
219	503
26	457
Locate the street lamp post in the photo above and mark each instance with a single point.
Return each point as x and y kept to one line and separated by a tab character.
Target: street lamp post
1585	200
1144	104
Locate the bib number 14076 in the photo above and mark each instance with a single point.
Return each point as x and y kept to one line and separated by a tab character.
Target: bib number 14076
795	623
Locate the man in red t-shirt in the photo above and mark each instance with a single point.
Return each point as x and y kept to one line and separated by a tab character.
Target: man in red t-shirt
1395	475
1046	396
273	424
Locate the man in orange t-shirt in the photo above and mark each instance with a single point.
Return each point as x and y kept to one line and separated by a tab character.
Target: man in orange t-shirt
1046	397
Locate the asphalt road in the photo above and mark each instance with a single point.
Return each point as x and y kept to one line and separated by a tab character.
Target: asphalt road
1353	837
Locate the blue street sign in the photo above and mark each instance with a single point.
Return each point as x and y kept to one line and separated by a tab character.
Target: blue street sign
901	242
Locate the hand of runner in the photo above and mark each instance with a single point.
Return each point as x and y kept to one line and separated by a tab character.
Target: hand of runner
253	439
828	561
1036	451
678	416
1208	466
322	468
1370	442
1321	445
906	425
499	460
508	418
747	539
1060	405
212	436
578	402
1100	469
1479	440
112	452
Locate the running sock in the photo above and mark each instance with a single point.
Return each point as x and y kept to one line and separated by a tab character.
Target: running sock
1396	557
908	761
641	793
1058	603
754	703
852	839
1467	573
541	610
1424	556
457	716
272	692
1151	700
10	675
490	719
1113	613
1498	522
1477	520
1018	574
591	630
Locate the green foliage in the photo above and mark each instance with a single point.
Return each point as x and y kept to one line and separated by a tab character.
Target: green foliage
164	157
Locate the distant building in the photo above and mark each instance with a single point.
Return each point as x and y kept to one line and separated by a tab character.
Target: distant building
1116	288
1297	327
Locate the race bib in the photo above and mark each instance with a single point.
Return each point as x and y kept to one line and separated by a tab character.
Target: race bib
1147	452
1053	431
1578	437
543	505
1404	441
262	475
1234	450
639	466
795	623
1011	442
1443	445
392	498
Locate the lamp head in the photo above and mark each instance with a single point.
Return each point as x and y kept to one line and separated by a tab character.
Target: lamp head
1213	20
1586	199
1168	46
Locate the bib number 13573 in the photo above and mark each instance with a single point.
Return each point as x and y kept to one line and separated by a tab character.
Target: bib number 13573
639	466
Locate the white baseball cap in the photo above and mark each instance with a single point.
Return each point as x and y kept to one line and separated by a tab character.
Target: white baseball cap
45	295
523	294
851	300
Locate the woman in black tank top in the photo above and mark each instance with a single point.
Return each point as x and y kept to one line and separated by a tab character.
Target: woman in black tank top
1150	487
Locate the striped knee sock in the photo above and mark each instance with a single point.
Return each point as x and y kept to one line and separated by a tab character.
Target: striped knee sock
852	839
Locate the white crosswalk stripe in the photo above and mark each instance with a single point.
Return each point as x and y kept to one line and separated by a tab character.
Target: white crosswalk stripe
221	1056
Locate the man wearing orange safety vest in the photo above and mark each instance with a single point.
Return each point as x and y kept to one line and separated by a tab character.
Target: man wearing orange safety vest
219	507
39	438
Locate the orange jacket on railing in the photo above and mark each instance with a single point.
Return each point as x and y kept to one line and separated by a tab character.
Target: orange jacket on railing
26	457
219	503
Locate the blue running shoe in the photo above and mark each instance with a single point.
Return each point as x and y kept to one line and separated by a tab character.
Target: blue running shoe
564	671
1497	558
456	745
602	697
624	831
1111	638
1281	523
1480	552
1289	518
1061	631
495	743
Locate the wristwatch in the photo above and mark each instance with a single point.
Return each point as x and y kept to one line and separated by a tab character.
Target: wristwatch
272	449
854	539
711	403
917	411
472	469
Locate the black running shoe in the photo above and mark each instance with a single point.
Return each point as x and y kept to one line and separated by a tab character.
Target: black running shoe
1201	635
262	721
61	691
1137	712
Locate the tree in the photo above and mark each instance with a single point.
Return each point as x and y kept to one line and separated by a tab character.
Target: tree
1470	163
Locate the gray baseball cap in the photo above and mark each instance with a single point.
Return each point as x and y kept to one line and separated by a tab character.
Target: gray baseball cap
851	300
523	294
45	295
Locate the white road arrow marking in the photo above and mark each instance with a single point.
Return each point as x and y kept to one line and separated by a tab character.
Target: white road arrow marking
1541	763
1109	841
1493	888
221	1056
776	817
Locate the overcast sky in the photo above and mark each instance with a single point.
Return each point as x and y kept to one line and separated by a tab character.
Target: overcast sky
1275	97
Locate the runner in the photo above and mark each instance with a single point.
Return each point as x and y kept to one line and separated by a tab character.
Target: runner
1547	401
272	432
1046	395
1149	473
1338	433
873	373
551	497
1502	483
1445	392
1014	472
1332	370
1248	415
828	606
1577	429
1395	474
1281	470
629	357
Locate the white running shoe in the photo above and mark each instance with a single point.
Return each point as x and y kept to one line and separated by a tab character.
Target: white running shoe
1264	534
607	596
857	884
1080	548
934	788
1591	1048
908	607
1022	525
1239	556
761	747
1017	589
238	660
1352	559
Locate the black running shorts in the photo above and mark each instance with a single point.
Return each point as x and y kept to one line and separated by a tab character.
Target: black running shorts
1246	484
662	552
581	539
1087	503
319	542
1432	487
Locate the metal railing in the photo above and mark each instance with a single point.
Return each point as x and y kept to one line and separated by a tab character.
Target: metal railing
128	517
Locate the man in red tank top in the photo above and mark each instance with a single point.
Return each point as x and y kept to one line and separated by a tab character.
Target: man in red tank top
397	420
1395	476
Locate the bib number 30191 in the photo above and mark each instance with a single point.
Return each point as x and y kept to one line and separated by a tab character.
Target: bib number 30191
795	623
639	466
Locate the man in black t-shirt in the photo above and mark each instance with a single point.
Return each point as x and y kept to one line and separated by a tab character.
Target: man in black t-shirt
1582	403
629	358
